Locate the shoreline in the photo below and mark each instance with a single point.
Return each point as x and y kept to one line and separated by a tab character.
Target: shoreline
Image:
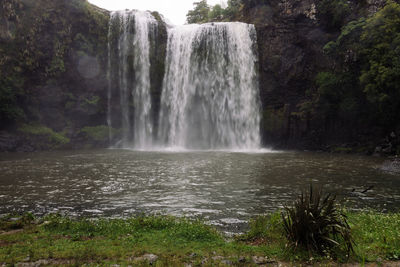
167	240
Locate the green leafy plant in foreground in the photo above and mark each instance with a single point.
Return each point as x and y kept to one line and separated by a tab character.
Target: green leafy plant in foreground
316	223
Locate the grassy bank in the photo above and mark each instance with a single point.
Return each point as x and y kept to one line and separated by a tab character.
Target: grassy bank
169	241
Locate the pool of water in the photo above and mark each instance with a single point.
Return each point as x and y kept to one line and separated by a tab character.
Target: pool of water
223	188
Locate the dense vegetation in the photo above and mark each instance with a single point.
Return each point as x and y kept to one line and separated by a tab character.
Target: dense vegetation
361	89
51	72
202	12
39	53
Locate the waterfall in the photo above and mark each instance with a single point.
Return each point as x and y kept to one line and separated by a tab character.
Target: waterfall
210	96
130	34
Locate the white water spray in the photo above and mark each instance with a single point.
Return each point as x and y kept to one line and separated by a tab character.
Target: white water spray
210	94
130	75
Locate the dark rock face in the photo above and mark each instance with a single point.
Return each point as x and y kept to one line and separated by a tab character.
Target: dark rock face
157	67
158	37
53	66
53	69
291	36
53	56
290	42
8	18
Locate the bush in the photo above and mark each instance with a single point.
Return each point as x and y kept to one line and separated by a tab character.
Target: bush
97	133
39	130
316	223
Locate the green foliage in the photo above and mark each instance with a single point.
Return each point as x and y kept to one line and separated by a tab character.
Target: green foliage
203	13
13	222
233	9
380	76
94	101
45	39
40	130
377	235
348	40
199	14
216	13
169	227
336	96
81	43
178	241
10	92
362	88
316	223
97	133
267	227
329	86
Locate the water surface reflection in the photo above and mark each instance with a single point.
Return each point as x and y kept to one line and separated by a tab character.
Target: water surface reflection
222	187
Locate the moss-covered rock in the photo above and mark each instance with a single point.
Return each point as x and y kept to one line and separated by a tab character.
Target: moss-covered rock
291	36
39	137
53	60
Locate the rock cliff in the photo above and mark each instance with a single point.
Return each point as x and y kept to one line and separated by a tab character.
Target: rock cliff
291	36
53	70
53	66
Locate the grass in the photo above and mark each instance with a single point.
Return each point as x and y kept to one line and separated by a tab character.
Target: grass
377	235
176	241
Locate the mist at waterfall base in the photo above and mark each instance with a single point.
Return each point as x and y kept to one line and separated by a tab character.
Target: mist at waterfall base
210	98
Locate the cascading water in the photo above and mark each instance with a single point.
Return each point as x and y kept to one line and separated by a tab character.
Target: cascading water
210	94
129	75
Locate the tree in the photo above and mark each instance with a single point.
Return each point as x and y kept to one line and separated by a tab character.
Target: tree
380	76
233	8
199	14
216	13
332	13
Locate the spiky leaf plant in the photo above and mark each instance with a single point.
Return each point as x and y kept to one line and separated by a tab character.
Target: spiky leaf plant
316	223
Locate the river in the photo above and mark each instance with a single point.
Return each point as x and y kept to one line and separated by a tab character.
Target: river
223	188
